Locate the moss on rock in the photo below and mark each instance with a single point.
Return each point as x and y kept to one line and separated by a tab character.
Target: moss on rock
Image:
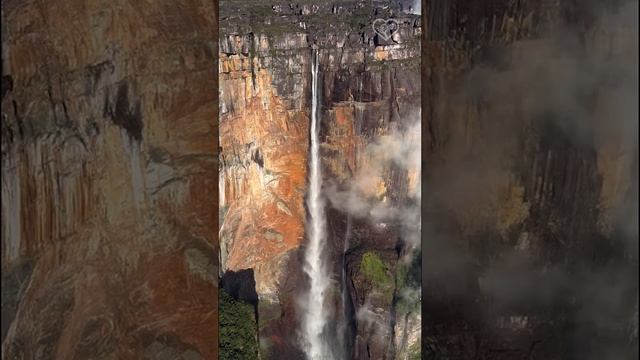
375	271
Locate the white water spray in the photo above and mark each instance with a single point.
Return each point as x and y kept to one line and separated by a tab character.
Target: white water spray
416	7
315	316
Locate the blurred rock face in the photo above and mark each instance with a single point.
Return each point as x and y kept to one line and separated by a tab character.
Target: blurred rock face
108	180
369	89
531	120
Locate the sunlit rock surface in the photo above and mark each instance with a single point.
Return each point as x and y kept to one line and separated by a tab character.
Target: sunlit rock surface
369	88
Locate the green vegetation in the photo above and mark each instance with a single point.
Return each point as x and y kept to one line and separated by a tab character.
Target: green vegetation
269	312
401	275
409	275
414	352
374	269
238	329
408	282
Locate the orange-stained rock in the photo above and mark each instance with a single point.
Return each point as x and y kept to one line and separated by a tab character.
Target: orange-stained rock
109	162
368	89
262	175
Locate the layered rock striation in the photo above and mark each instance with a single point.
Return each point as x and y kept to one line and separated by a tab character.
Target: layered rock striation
109	163
369	88
530	115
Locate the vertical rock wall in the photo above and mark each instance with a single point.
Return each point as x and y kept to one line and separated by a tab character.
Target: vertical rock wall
530	142
108	179
370	88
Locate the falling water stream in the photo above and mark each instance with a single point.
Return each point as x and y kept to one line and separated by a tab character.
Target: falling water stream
315	315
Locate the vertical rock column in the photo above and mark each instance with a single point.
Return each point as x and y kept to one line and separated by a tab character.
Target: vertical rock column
109	163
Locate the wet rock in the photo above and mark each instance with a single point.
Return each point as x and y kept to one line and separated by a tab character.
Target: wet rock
265	101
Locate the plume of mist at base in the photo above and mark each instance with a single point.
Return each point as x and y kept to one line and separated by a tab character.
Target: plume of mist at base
367	196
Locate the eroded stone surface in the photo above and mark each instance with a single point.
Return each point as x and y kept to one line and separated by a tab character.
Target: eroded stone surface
369	87
108	178
524	107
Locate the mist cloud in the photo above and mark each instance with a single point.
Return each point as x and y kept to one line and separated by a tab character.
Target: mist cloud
569	98
361	197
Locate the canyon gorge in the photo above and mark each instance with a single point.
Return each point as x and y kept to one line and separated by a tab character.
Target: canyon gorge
274	179
366	178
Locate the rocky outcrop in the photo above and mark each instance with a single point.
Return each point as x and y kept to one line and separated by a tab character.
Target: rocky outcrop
368	89
530	247
108	151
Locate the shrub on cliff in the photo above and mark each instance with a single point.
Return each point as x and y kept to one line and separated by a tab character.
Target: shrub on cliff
375	271
238	329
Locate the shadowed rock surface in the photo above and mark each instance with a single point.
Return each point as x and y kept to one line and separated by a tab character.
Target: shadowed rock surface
369	88
530	123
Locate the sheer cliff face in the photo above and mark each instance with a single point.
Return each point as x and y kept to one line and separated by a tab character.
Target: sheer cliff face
108	180
369	86
530	114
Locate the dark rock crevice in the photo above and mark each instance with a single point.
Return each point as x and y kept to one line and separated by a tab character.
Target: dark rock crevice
123	114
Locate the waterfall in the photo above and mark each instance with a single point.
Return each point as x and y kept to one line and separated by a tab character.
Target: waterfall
315	312
417	7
